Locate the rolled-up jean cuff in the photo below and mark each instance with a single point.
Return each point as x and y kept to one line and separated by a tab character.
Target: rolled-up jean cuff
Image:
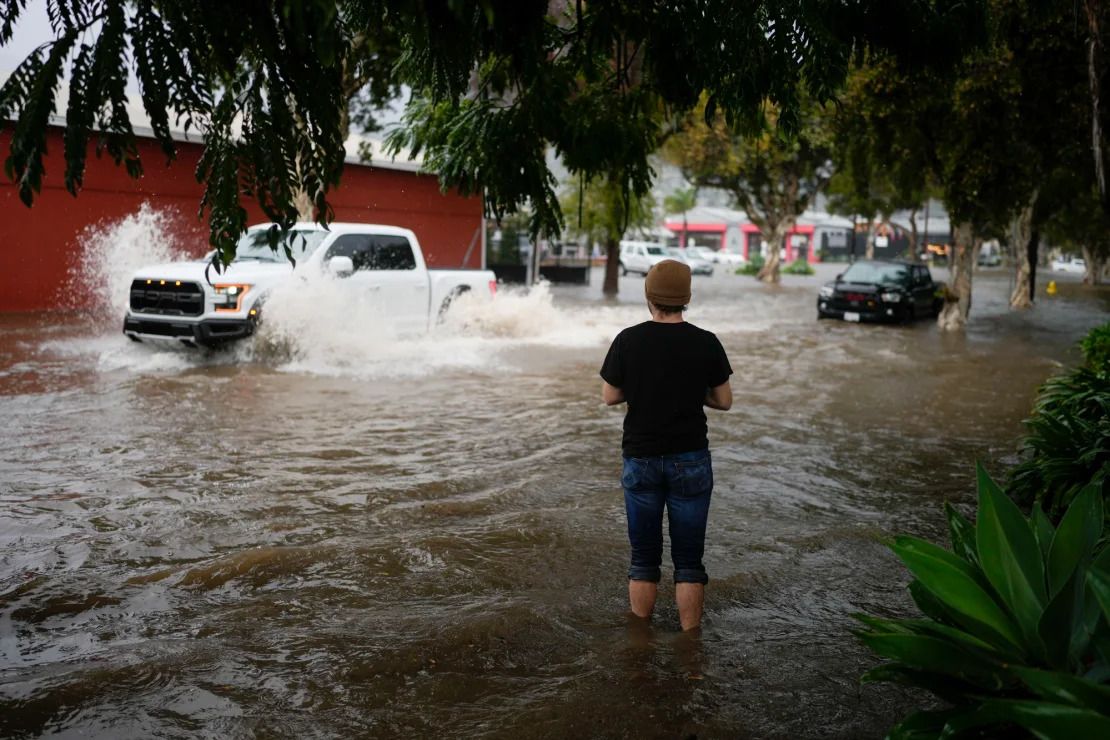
691	575
645	574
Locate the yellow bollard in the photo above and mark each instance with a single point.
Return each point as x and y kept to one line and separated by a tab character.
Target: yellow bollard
1051	289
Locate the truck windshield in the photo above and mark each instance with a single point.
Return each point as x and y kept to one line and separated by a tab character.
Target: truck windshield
255	246
877	273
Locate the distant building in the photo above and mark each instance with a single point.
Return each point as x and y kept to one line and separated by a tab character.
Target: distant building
817	235
42	244
731	230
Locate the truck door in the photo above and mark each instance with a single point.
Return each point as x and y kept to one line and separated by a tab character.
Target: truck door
385	279
404	289
923	291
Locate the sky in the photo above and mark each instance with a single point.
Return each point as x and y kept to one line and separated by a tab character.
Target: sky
34	29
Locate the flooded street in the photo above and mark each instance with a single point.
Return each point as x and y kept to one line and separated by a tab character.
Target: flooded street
331	533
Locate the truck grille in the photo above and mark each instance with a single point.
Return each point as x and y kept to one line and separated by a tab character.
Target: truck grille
171	298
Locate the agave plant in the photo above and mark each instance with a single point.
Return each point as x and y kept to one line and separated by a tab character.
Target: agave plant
1068	442
1067	446
1015	631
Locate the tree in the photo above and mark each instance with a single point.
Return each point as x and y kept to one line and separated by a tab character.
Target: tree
1083	226
878	165
1049	63
998	136
368	85
598	212
497	83
771	176
681	201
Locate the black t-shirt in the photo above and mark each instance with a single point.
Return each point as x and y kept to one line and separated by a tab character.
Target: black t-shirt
665	371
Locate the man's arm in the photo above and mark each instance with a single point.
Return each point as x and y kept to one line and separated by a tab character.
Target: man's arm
719	398
611	394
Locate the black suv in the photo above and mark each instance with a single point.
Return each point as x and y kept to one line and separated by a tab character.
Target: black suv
877	290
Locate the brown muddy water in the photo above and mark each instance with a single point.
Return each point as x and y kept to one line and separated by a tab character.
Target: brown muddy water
333	533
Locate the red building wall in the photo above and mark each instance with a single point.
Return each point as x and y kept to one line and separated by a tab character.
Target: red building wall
39	245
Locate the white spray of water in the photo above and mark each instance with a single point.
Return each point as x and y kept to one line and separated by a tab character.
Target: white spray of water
324	325
110	253
531	316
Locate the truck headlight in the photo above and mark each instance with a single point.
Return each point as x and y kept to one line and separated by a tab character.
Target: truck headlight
229	297
826	291
891	297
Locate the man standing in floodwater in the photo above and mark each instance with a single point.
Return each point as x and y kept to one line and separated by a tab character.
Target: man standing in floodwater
667	369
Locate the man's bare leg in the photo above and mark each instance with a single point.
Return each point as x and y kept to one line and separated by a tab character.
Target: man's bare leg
641	596
690	598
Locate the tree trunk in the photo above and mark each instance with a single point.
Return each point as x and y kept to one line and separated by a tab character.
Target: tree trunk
852	241
1093	10
1021	233
612	265
957	299
1095	263
872	232
770	270
915	249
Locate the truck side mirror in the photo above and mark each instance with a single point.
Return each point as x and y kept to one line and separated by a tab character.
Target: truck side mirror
341	266
840	275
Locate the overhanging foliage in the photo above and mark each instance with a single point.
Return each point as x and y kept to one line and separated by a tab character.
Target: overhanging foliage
497	82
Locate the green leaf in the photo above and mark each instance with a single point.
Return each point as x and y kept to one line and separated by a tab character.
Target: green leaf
1057	625
1043	530
962	533
938	656
883	625
957	636
1010	557
1085	621
1099	581
1075	538
930	605
923	725
943	686
953	582
1046	720
1068	689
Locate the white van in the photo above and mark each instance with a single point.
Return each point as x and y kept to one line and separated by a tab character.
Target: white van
641	256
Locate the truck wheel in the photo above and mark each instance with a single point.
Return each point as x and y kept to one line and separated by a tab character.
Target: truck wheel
446	306
624	270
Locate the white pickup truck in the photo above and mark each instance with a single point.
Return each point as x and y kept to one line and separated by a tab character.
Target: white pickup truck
188	302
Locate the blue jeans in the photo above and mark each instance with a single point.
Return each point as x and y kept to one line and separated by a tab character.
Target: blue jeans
683	484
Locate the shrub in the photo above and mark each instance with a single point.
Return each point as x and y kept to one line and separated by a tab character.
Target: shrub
1067	445
752	266
1015	627
799	267
1096	349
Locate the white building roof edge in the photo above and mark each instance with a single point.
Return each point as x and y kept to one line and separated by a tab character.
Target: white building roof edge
140	123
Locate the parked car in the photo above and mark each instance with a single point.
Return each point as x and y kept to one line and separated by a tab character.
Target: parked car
698	266
1070	264
706	253
178	302
878	290
640	256
989	259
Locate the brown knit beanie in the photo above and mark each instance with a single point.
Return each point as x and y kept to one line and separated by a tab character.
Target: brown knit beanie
668	284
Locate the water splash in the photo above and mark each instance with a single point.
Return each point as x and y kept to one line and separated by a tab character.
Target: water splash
320	325
111	252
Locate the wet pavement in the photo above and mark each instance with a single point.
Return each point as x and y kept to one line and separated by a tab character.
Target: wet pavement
332	533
